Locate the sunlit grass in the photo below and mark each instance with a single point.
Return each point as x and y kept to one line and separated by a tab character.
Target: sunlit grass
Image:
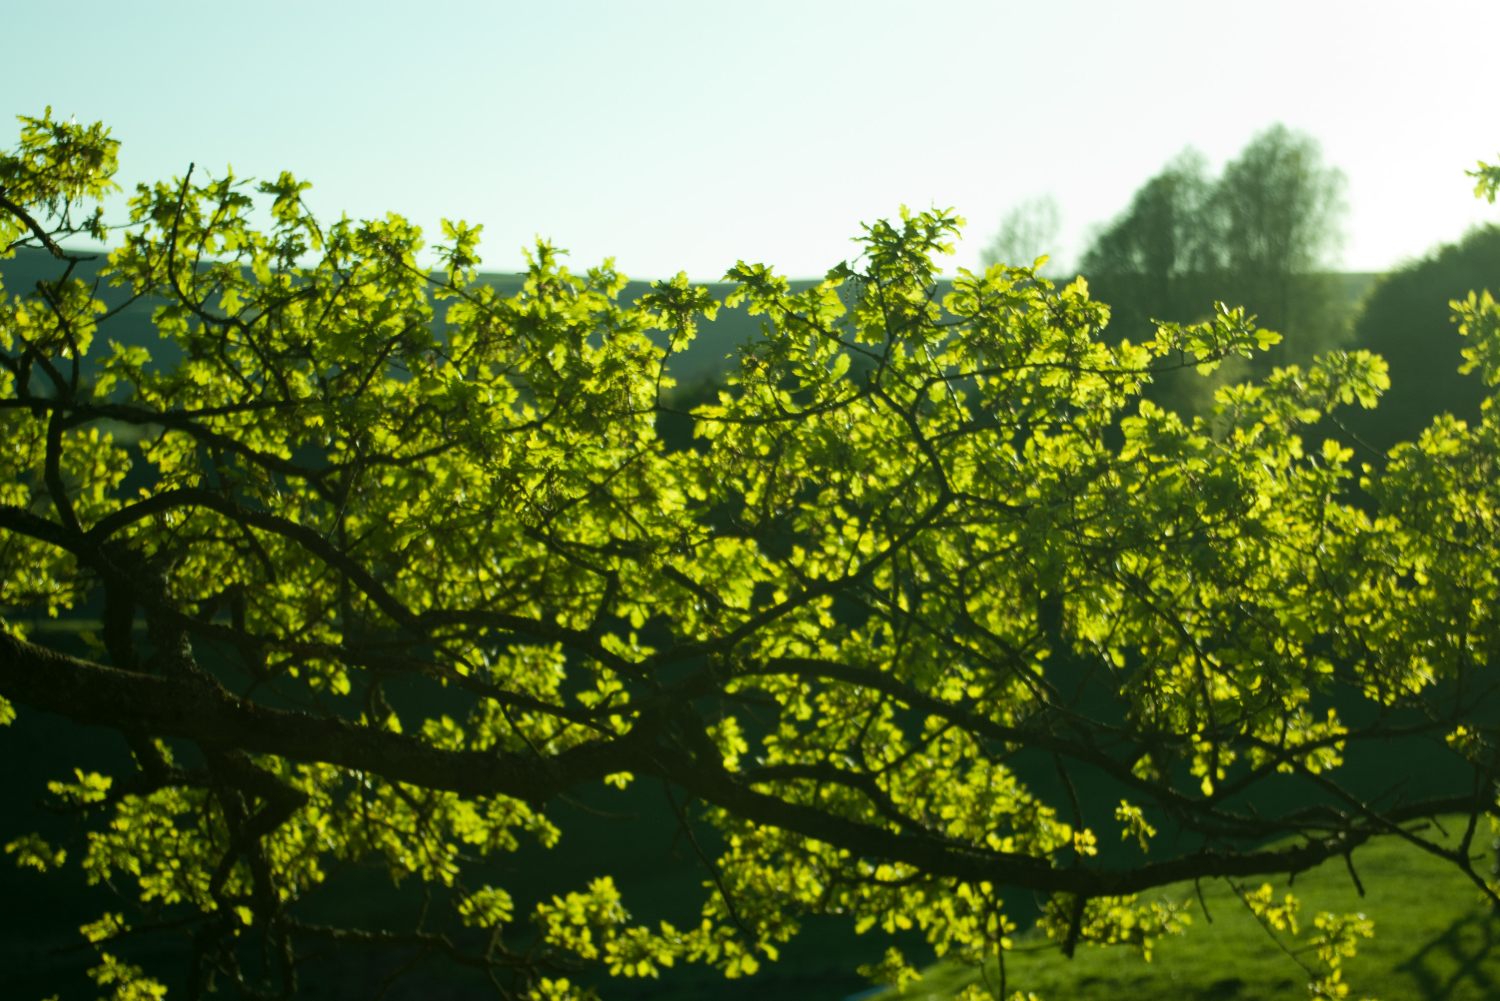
1434	939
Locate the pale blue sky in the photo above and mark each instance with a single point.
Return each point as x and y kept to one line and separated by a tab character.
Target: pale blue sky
684	135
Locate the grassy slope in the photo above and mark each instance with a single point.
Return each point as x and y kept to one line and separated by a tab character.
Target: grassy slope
1433	940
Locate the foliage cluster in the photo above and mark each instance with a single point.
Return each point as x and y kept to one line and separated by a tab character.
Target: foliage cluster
936	615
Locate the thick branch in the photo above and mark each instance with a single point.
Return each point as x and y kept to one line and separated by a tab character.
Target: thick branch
939	856
206	713
203	712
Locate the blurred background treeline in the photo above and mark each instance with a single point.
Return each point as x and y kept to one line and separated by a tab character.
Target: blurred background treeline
1265	234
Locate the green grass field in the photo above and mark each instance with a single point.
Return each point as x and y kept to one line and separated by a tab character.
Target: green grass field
1434	939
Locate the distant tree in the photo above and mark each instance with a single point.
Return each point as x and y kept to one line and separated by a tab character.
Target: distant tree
1259	236
1153	259
1279	215
1407	320
937	614
1027	232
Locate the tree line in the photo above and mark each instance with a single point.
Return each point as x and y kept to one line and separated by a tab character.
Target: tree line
1263	234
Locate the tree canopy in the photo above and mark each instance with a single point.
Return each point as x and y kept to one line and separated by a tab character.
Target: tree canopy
935	617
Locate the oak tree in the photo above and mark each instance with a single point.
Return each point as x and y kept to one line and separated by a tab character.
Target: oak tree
935	617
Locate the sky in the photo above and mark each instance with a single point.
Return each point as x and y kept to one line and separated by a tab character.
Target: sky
683	135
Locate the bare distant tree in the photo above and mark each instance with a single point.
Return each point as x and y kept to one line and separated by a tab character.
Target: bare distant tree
1027	231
